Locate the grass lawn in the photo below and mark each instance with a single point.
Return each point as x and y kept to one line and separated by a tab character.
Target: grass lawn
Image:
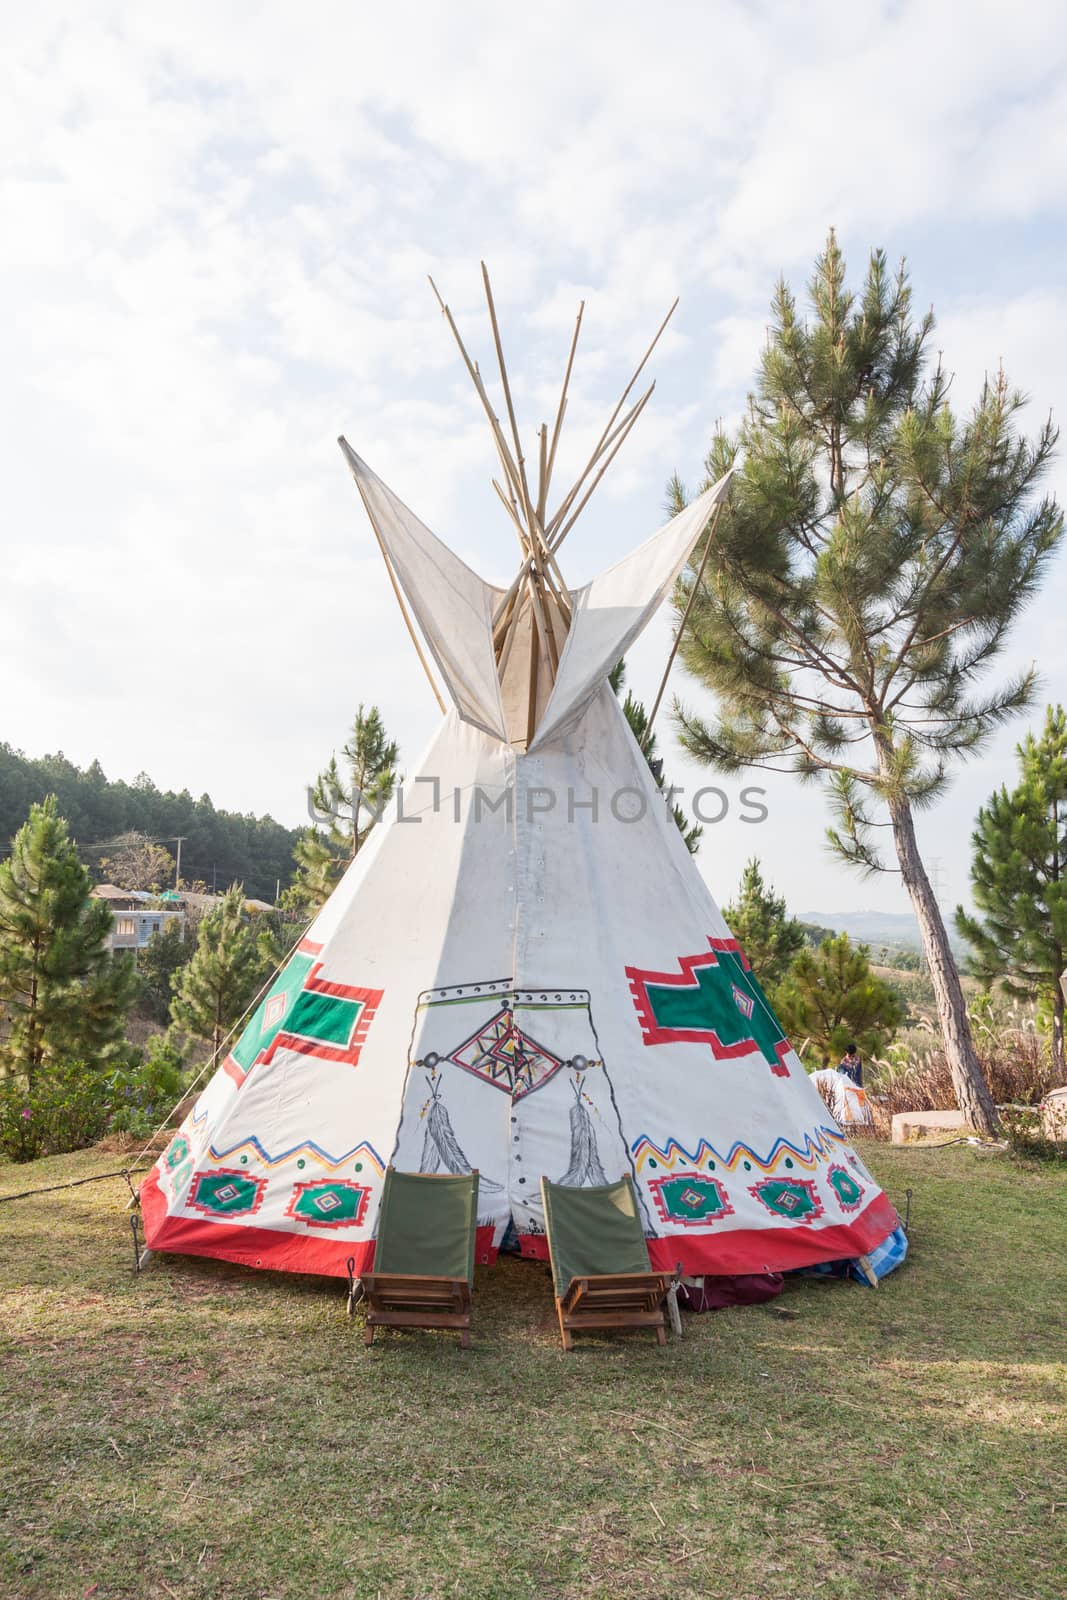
206	1431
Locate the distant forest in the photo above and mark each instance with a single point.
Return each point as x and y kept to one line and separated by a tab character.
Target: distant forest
219	847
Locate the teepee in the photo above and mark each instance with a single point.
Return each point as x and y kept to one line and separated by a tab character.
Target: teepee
523	971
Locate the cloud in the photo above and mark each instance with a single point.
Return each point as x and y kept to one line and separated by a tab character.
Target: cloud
215	231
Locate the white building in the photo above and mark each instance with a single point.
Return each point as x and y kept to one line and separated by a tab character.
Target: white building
137	916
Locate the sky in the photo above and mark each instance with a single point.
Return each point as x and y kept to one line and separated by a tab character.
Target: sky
216	226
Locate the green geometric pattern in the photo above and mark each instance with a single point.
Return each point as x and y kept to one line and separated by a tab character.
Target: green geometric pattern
847	1190
227	1194
177	1152
712	1000
690	1198
792	1198
261	1033
329	1203
314	1022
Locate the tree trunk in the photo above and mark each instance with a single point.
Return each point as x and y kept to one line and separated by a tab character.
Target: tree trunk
968	1080
1058	1056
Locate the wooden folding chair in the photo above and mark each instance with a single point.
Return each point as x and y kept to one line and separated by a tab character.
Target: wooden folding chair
424	1254
600	1265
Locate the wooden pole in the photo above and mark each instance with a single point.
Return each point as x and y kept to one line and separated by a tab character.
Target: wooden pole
536	579
523	485
623	433
563	395
601	443
714	523
638	370
347	452
542	476
605	449
528	541
508	640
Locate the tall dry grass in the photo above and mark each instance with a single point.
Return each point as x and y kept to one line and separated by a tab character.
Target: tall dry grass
1016	1058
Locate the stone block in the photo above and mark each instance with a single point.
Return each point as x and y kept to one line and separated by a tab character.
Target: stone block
923	1124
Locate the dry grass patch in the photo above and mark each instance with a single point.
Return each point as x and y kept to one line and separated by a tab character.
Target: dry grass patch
214	1434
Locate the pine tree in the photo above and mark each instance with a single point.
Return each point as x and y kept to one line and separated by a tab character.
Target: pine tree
349	799
759	922
636	715
62	994
874	554
1019	879
158	965
831	996
216	986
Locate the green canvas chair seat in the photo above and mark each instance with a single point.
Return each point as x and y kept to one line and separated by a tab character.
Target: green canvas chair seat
423	1269
600	1267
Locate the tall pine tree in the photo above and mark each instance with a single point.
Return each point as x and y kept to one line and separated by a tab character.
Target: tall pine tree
763	928
214	988
1019	879
866	572
349	796
62	994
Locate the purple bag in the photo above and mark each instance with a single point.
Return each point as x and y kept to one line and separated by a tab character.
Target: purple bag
715	1293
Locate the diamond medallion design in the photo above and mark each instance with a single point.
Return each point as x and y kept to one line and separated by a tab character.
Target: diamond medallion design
501	1054
177	1152
794	1199
848	1190
329	1203
690	1198
223	1193
744	1002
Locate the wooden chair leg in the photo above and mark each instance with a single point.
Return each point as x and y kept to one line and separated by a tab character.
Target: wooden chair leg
465	1339
368	1337
661	1334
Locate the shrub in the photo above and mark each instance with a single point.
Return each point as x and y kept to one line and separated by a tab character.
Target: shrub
66	1109
1024	1133
72	1105
142	1094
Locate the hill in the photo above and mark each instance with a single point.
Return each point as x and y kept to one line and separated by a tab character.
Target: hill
898	929
219	847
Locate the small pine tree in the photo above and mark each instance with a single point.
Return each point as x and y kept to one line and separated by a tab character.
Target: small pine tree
350	801
763	928
636	715
158	965
831	996
216	986
1019	879
62	994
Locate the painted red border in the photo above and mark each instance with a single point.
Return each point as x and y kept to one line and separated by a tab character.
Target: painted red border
758	1250
726	1254
684	978
275	1249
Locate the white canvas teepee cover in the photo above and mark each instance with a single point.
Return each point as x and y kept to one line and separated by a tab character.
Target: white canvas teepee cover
523	972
